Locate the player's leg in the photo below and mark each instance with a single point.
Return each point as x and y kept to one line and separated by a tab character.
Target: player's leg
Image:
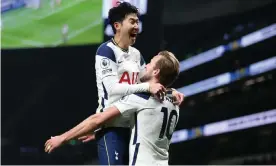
113	146
64	38
52	4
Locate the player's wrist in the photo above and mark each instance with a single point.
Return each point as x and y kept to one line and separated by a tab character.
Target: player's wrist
63	138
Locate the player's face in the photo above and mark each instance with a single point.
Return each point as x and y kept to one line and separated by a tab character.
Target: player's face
151	70
130	28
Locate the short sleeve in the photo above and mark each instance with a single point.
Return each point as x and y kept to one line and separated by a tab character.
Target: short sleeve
105	61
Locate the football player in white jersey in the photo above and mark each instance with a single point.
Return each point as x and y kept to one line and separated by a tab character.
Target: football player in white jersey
152	122
119	67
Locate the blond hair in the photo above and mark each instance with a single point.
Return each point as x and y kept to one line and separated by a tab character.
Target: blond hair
169	68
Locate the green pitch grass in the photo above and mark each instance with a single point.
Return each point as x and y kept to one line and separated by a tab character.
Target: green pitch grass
28	27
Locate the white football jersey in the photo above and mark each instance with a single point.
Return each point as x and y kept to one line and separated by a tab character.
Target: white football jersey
114	65
152	124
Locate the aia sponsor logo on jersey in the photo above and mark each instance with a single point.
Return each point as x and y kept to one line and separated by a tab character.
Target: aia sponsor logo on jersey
129	78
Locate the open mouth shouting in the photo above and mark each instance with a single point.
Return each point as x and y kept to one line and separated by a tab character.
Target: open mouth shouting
133	34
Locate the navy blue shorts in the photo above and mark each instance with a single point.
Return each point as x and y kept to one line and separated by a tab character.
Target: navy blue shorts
113	146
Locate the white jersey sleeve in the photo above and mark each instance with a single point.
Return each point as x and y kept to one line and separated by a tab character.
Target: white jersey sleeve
106	70
129	104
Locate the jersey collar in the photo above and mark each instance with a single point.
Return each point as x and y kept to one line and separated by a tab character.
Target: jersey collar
124	50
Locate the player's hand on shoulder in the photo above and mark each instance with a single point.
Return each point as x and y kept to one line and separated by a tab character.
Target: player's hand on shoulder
53	143
158	90
179	97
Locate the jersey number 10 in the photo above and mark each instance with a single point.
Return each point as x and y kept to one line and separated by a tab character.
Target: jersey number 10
168	126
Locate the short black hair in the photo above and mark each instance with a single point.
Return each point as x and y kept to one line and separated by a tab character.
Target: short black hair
119	13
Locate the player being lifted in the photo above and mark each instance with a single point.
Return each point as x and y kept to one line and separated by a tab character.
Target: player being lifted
119	67
152	122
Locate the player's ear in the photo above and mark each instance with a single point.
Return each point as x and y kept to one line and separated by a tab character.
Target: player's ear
156	72
117	25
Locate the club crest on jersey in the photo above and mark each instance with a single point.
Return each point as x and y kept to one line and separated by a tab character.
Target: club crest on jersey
105	63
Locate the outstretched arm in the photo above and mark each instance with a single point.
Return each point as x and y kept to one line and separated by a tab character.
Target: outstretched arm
124	107
90	124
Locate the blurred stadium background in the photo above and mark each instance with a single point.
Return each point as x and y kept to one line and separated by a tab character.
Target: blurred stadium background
228	62
40	24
